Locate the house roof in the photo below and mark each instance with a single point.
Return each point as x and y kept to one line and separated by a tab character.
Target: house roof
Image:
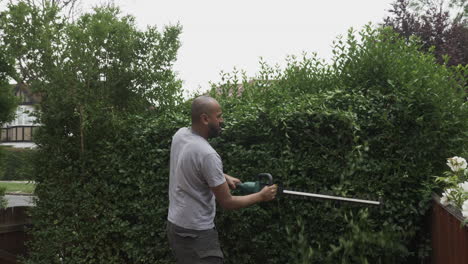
27	97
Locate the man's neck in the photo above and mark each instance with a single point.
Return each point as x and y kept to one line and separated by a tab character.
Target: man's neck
199	131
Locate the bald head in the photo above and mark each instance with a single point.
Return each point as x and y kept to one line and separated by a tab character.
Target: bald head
203	105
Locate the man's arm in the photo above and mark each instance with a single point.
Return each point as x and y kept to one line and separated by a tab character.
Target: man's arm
230	202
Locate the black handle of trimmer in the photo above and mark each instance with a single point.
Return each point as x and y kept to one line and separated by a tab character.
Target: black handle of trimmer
265	179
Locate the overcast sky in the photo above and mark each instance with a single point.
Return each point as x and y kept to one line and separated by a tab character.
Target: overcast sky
220	35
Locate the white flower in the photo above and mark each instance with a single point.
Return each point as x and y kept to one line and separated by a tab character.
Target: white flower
456	163
464	186
444	199
465	209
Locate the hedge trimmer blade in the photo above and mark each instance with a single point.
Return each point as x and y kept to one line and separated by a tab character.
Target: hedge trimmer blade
265	179
330	197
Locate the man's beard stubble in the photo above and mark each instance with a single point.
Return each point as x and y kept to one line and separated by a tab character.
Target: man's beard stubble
214	131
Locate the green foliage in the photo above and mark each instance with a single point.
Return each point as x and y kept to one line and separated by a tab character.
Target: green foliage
92	74
16	164
3	201
118	205
303	253
8	102
376	123
359	237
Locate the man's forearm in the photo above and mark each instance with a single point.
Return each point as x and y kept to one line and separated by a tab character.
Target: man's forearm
238	202
229	202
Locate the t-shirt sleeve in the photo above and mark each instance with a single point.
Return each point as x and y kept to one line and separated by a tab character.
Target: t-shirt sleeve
212	170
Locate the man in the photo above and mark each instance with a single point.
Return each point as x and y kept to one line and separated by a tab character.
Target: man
196	181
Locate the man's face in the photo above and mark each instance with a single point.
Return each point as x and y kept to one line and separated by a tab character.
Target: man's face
215	121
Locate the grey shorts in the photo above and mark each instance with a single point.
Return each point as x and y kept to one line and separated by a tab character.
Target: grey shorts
194	246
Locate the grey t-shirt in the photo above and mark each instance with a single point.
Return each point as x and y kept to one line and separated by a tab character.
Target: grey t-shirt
194	167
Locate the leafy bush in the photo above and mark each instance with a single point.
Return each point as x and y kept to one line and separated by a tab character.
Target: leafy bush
374	124
105	70
16	164
3	201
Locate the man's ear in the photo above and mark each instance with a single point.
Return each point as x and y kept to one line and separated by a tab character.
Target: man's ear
204	118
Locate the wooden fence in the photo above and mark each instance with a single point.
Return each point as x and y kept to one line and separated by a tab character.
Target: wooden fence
449	238
13	222
17	133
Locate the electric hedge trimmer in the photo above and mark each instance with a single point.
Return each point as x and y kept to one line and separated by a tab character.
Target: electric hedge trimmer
265	179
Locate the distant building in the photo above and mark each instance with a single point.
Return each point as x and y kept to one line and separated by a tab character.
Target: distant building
19	132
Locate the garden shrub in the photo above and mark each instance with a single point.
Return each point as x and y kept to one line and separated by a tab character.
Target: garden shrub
400	114
105	72
373	124
16	164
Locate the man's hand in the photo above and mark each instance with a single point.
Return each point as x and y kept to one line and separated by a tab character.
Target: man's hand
231	181
268	193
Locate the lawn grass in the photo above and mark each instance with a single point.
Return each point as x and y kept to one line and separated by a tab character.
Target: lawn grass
20	187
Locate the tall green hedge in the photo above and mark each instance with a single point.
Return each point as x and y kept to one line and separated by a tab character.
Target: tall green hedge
377	123
93	73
